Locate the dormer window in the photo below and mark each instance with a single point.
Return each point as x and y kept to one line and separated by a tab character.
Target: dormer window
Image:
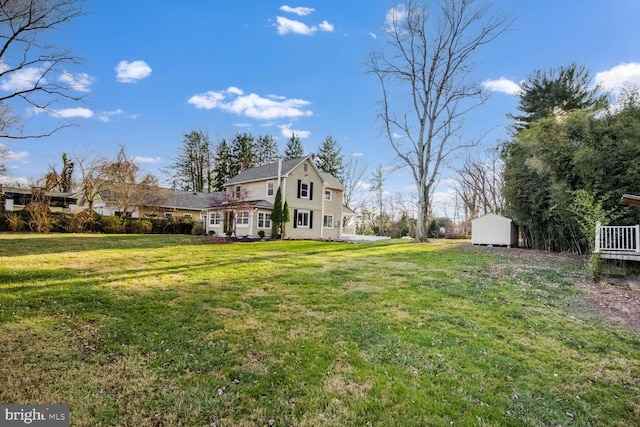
271	185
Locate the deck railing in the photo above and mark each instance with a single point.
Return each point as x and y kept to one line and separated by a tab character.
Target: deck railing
617	238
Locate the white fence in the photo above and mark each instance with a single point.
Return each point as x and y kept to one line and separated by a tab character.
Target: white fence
617	238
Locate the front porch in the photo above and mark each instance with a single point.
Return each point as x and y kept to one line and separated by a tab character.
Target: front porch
618	242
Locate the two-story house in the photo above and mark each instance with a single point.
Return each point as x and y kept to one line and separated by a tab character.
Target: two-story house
314	199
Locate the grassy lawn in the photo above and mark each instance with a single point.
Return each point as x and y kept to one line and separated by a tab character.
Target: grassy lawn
172	331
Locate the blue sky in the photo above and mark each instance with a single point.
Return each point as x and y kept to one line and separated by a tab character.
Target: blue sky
155	70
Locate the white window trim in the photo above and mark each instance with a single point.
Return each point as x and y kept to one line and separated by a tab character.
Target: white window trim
323	221
245	215
273	188
302	212
330	193
215	220
266	221
308	184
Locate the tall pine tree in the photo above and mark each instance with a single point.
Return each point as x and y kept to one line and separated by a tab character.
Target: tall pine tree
294	148
266	150
329	158
242	152
222	168
192	169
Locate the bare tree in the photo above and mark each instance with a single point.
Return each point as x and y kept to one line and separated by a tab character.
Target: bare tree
32	66
425	78
356	193
127	189
479	184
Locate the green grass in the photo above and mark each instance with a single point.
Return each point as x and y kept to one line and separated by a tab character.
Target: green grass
174	331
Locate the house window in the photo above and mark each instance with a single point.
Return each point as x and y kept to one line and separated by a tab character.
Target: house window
304	190
302	219
168	214
187	215
327	221
305	167
238	191
215	219
327	194
270	188
264	220
242	218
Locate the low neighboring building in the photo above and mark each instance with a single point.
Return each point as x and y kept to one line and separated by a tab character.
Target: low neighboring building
492	229
15	199
163	203
314	198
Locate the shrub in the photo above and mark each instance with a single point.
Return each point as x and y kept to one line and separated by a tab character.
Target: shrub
138	226
198	229
112	224
261	234
15	222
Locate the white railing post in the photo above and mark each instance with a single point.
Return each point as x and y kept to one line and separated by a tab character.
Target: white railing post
597	247
637	242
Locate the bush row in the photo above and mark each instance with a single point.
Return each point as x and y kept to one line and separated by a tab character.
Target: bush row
84	222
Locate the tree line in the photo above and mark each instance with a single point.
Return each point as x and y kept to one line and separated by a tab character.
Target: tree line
204	167
570	158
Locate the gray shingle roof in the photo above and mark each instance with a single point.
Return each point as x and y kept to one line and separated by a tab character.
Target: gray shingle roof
189	199
265	172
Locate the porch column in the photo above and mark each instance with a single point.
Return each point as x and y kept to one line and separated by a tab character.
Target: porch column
597	246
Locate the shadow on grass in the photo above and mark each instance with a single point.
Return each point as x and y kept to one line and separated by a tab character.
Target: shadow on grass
12	245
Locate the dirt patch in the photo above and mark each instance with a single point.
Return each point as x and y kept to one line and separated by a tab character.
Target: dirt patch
614	301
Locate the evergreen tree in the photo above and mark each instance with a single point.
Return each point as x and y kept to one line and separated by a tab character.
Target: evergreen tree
546	93
66	176
329	158
294	148
242	153
192	170
285	217
276	215
222	168
266	150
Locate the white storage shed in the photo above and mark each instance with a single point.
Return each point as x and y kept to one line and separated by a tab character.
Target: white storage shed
492	229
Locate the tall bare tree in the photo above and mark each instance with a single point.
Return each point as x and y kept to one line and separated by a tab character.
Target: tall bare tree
356	193
479	184
32	66
427	87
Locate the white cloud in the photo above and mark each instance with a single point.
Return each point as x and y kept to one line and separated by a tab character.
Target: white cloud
23	79
394	17
128	72
287	132
326	26
80	82
373	36
68	113
8	155
502	85
357	154
107	116
615	78
233	100
300	11
363	185
139	159
14	182
286	26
